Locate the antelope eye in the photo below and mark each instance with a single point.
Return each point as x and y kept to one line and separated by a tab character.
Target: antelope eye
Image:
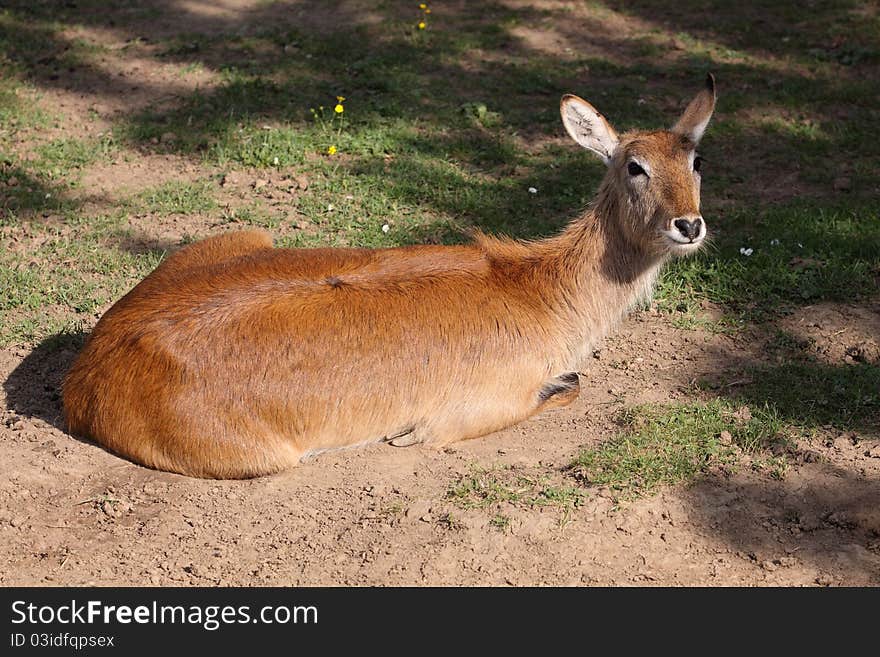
698	163
635	170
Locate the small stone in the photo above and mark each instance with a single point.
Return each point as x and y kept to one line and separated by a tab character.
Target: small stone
857	353
12	182
824	579
302	182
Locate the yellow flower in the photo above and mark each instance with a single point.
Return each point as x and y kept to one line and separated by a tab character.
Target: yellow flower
340	99
331	150
339	109
422	25
427	11
423	6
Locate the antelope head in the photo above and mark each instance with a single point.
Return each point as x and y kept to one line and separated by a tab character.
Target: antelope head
653	178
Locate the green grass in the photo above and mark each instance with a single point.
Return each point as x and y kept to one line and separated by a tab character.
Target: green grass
18	112
482	488
500	522
669	445
810	395
51	286
42	184
177	198
801	254
63	157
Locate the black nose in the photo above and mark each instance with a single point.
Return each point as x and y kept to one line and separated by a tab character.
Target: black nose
689	229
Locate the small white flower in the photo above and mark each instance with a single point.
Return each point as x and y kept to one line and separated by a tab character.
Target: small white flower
385	228
745	251
774	242
275	161
329	207
533	190
800	245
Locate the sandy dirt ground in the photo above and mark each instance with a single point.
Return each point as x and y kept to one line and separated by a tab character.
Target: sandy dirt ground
74	514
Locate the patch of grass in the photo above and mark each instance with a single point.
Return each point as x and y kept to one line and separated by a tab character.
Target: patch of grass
482	488
62	157
500	522
801	254
810	394
668	445
775	466
42	184
18	111
253	214
68	275
177	198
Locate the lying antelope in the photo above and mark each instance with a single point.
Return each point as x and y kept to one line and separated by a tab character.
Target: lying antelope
234	359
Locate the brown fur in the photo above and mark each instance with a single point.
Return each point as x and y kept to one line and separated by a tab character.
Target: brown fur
234	359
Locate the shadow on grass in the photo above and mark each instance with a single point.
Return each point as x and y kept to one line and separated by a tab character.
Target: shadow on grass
802	391
819	395
276	60
799	254
843	31
25	194
827	516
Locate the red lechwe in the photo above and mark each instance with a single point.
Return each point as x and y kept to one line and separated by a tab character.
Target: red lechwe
235	359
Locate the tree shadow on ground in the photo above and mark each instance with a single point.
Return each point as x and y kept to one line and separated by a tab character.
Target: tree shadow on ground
277	60
829	519
805	392
33	388
808	32
818	512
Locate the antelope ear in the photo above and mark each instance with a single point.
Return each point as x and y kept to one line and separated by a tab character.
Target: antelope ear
587	127
693	122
